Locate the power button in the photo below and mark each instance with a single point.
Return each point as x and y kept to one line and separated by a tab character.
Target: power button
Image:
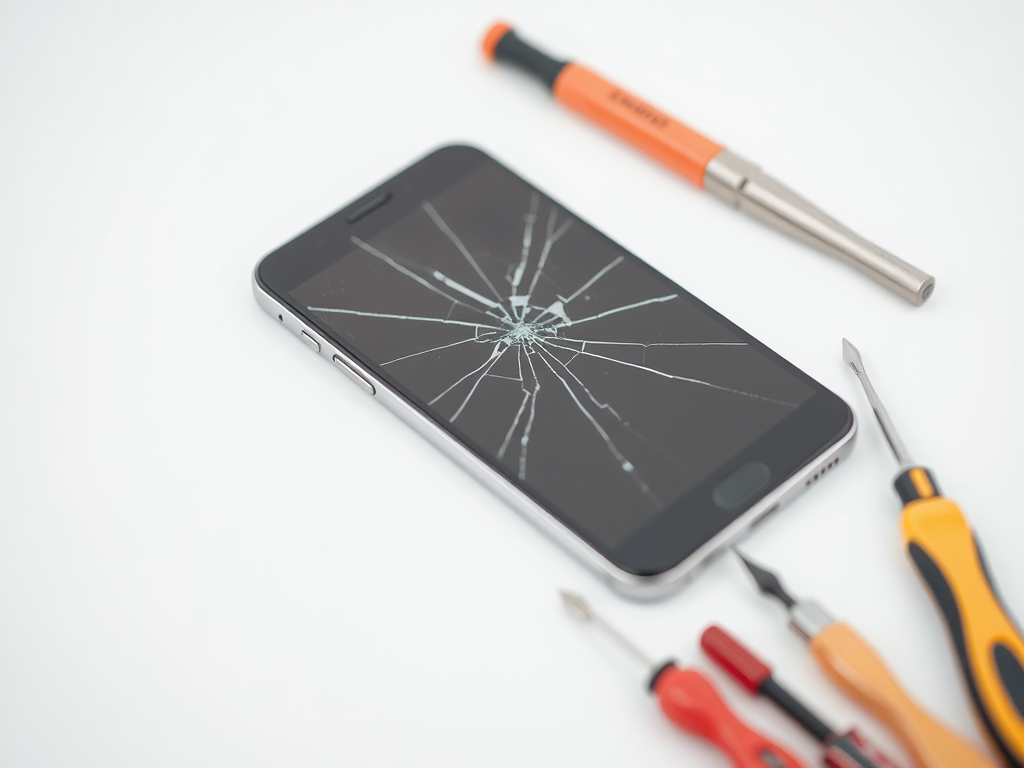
357	376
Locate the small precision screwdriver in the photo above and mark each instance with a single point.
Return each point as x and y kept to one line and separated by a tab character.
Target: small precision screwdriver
848	750
860	671
707	164
941	545
690	700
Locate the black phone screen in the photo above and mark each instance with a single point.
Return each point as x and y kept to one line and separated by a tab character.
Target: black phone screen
601	387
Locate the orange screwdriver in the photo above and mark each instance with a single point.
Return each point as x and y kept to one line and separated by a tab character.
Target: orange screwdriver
860	671
689	700
706	163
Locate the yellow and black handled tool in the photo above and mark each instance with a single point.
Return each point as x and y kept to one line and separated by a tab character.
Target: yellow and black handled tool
939	540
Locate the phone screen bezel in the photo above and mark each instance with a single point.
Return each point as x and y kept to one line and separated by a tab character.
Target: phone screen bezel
684	526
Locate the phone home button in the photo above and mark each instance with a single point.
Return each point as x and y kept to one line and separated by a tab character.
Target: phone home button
738	487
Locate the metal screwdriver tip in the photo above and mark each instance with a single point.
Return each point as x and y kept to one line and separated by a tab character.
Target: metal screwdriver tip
767	582
851	355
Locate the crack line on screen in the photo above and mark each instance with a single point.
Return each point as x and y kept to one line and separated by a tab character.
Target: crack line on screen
513	324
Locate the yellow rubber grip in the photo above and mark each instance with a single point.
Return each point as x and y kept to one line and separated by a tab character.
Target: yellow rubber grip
858	669
989	646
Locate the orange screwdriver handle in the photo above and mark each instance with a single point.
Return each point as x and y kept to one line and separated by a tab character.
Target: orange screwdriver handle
988	644
613	108
690	701
858	669
644	126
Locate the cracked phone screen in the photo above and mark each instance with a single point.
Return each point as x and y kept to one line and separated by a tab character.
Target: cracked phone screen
594	382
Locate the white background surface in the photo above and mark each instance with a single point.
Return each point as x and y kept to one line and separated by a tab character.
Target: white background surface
216	550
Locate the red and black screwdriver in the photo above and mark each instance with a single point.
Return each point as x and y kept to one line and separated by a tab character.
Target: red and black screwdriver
848	750
690	700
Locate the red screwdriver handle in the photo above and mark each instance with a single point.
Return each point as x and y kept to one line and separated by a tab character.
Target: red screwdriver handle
690	701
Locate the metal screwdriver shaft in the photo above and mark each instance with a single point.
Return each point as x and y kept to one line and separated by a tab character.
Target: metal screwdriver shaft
852	357
578	607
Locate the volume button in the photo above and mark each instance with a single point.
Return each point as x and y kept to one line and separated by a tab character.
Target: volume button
355	375
310	342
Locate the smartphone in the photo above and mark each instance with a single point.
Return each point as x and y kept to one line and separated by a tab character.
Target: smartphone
633	422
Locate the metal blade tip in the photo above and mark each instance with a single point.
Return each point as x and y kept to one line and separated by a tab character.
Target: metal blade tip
767	582
576	605
851	355
756	571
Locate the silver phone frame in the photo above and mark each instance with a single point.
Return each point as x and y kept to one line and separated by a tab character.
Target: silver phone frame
627	584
